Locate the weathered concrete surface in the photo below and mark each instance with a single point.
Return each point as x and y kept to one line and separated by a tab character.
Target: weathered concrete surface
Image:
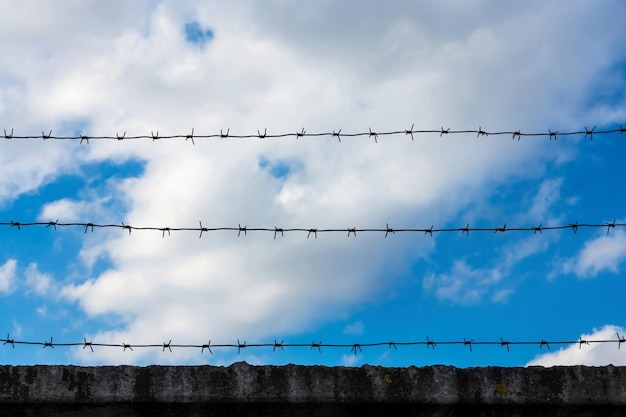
297	390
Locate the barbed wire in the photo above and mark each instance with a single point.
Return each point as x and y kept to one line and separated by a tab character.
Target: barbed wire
354	347
280	231
515	134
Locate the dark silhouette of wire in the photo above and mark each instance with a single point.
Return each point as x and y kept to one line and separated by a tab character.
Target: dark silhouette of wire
350	231
192	136
354	347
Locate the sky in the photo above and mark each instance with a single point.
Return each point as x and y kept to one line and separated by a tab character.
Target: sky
118	68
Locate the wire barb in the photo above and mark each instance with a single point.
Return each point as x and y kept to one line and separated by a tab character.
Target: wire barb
337	134
518	134
202	229
410	131
167	345
86	343
278	345
300	134
120	137
355	347
190	137
609	226
314	231
317	346
44	136
430	343
444	131
389	231
504	343
8	136
9	341
589	133
262	136
553	134
374	134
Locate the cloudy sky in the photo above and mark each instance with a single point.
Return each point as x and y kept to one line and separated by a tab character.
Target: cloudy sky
94	68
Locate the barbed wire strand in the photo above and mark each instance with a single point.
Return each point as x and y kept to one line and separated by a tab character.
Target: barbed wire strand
354	347
515	134
280	231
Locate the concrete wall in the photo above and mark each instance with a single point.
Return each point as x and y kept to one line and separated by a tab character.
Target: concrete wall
241	389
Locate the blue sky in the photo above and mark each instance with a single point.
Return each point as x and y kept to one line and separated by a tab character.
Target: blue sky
172	66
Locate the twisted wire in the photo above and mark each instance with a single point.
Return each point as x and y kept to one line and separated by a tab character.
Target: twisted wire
354	347
192	136
280	231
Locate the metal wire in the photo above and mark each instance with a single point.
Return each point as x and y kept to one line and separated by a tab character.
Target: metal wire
354	347
276	231
515	134
350	231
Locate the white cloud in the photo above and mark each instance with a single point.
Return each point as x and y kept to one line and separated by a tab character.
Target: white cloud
42	311
355	328
547	195
603	253
350	360
592	354
68	210
524	248
464	284
17	329
20	175
295	65
37	282
162	280
7	276
469	285
501	296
